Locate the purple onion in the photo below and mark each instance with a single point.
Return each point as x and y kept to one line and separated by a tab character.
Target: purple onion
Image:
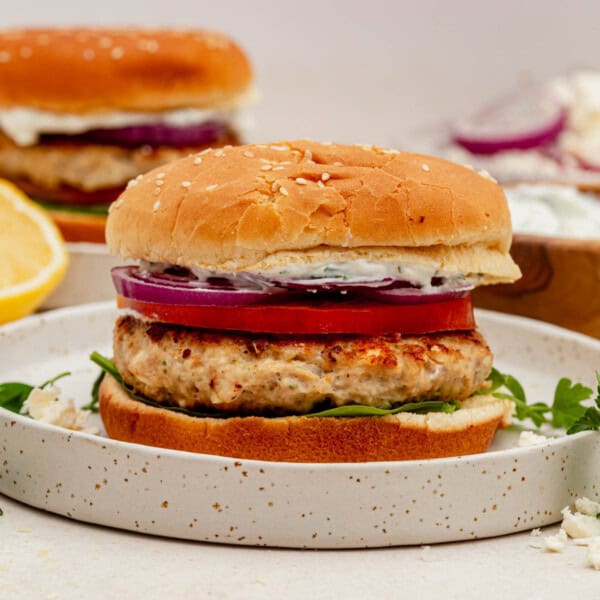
530	119
148	288
150	134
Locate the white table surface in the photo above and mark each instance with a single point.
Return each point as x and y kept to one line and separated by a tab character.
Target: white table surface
44	556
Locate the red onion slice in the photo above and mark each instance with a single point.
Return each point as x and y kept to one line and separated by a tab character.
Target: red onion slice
406	295
129	283
151	135
527	120
332	285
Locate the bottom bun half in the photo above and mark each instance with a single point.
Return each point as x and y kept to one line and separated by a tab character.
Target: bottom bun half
405	436
80	227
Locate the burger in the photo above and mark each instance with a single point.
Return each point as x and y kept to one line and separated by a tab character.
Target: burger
83	111
306	302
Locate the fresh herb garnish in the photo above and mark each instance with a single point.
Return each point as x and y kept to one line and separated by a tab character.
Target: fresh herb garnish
13	394
359	410
566	411
93	403
90	209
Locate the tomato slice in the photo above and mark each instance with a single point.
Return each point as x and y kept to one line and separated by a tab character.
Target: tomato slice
352	317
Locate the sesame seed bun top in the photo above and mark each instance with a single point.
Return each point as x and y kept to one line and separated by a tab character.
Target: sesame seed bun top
253	207
100	70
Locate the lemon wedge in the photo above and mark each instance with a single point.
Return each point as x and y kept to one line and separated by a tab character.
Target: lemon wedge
33	256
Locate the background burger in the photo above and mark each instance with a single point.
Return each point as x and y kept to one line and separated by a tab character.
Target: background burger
83	111
306	302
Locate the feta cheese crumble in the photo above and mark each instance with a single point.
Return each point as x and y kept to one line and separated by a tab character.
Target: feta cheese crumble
593	556
556	543
529	438
47	406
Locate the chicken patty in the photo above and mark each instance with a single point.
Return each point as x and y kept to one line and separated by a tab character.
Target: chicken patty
86	167
259	374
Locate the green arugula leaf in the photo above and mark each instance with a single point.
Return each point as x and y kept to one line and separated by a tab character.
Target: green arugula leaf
536	412
13	394
54	379
93	403
359	410
496	380
567	408
92	209
590	420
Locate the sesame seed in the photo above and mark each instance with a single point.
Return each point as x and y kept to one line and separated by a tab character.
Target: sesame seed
278	168
219	153
89	54
425	167
197	160
275	186
326	143
156	206
301	180
338	164
283	191
210	188
307	155
105	42
159	182
117	53
320	184
325	176
26	52
148	45
266	168
279	148
390	151
160	175
4	56
132	182
186	184
248	154
206	151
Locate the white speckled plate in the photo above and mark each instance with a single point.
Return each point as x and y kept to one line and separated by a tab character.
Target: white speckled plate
87	278
217	499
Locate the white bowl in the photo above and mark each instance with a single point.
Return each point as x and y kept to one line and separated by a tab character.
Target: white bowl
88	276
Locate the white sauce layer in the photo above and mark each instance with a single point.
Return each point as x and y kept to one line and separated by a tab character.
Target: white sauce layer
554	210
25	125
348	272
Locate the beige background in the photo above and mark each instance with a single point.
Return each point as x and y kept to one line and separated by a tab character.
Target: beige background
366	71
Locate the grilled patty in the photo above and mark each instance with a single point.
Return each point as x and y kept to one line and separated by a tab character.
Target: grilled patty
254	374
86	167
